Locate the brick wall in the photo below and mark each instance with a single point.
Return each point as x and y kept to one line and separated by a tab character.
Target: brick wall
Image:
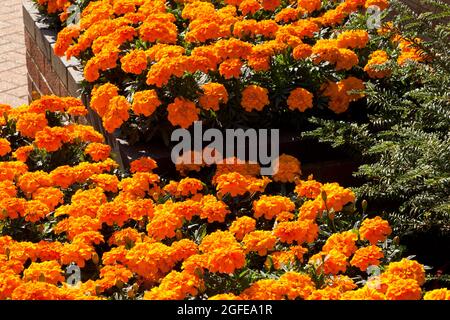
47	73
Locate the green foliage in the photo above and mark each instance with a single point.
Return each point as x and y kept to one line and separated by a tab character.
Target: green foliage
404	143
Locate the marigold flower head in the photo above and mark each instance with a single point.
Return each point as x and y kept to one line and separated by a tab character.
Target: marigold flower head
300	99
29	123
101	96
331	262
222	252
254	98
5	147
367	256
52	139
344	242
437	294
182	112
374	230
145	102
406	269
35	210
353	39
134	62
297	285
213	209
310	188
259	241
164	223
213	95
336	196
116	114
300	231
175	286
143	164
271	206
98	151
242	226
288	169
404	289
266	289
48	271
231	68
22	153
113	213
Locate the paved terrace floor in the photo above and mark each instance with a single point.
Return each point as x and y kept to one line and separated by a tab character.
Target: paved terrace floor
13	70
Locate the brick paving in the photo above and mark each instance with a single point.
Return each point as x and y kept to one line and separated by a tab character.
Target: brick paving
13	69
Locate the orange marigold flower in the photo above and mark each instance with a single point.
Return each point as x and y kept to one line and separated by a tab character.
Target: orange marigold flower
213	209
22	153
113	213
224	296
367	256
300	99
5	147
353	39
222	252
309	188
336	196
297	285
266	289
145	102
254	98
52	139
213	95
377	59
183	249
374	230
98	151
259	241
47	271
31	181
143	164
30	123
175	286
271	206
134	62
107	182
300	231
249	7
38	291
35	210
164	224
158	31
406	269
231	68
116	114
382	4
331	262
101	97
310	5
182	112
12	207
344	242
404	289
302	51
242	226
270	5
150	260
437	294
288	169
52	197
328	293
365	293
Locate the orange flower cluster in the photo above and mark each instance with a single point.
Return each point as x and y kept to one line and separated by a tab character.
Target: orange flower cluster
217	55
135	235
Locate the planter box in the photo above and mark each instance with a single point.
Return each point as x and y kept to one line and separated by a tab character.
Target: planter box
50	74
